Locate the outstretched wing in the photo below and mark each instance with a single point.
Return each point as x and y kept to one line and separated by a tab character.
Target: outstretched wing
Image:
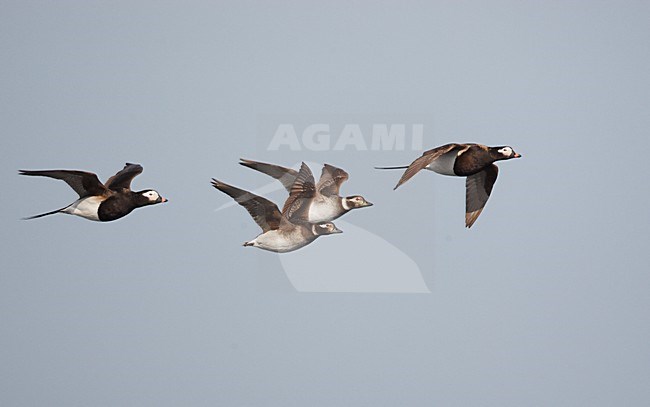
303	189
427	158
285	175
264	212
122	180
478	188
84	183
330	180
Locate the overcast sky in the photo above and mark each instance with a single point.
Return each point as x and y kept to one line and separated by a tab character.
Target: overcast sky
543	302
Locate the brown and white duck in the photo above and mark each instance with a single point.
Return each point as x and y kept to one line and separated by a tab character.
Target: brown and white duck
474	161
324	203
97	201
284	231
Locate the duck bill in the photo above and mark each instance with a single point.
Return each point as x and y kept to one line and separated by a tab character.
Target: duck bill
517	155
367	204
163	200
336	230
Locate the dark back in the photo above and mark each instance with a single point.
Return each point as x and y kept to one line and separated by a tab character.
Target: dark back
474	160
120	205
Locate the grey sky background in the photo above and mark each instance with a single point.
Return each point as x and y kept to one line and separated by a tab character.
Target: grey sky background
543	302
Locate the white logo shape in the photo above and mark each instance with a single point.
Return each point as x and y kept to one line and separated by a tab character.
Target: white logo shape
357	261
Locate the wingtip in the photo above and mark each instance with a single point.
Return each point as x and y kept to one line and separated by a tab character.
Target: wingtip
304	169
471	218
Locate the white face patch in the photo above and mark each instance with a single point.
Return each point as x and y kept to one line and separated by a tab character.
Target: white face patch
323	227
506	151
317	229
152	195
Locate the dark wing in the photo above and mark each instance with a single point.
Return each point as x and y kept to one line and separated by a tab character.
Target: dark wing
330	180
84	183
478	188
285	175
122	180
427	158
302	191
264	212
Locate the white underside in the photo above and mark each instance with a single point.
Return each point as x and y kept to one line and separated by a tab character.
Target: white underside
85	207
275	241
324	210
444	164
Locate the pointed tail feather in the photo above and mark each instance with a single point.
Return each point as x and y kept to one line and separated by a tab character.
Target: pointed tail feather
401	167
43	214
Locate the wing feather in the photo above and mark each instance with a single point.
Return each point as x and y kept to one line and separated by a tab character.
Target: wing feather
84	183
427	158
303	190
285	175
478	189
264	212
123	178
330	180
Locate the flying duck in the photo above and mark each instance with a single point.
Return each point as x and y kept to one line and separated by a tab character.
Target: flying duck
474	161
97	201
324	203
282	232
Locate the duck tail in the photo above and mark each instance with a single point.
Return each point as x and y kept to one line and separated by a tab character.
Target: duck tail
43	214
401	167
